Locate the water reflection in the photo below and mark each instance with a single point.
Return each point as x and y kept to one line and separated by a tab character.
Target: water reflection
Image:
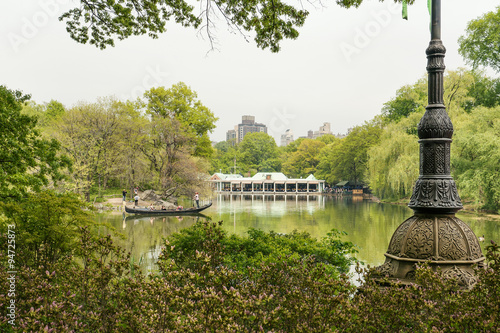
368	224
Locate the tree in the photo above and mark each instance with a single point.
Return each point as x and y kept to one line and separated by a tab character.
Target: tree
27	161
409	99
222	160
305	160
100	22
258	151
347	158
481	44
181	103
393	162
475	157
47	226
132	168
484	91
45	113
168	149
89	134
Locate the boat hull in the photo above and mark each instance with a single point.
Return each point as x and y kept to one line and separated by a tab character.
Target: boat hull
146	211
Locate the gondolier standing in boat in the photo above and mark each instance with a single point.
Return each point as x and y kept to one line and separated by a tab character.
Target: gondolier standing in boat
197	199
136	200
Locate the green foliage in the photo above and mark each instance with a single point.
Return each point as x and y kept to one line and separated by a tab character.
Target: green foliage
101	22
393	162
181	103
408	99
28	162
434	304
258	151
258	249
481	44
477	155
346	159
98	295
484	91
116	144
305	160
90	136
46	226
45	113
224	157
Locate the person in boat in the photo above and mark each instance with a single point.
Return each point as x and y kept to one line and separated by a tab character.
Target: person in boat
180	208
197	199
163	207
136	200
151	207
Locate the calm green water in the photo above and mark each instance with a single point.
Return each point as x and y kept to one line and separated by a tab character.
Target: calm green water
368	224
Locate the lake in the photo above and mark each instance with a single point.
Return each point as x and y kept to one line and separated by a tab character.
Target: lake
368	224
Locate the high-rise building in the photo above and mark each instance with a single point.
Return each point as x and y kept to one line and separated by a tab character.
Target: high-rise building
323	130
230	135
286	138
248	125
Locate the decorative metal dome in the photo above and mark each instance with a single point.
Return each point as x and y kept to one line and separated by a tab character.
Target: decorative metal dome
441	240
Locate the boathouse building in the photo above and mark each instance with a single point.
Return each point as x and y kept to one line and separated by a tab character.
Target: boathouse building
266	182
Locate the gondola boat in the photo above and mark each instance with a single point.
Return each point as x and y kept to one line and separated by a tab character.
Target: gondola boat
184	211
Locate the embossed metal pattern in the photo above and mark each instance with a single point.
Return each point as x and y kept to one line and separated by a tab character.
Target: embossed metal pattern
420	240
472	241
435	123
440	158
452	243
435	193
386	269
428	160
464	277
395	246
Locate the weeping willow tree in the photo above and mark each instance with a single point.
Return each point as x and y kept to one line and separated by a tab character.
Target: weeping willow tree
476	157
393	163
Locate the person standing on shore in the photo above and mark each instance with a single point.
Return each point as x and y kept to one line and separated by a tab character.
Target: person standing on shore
124	193
197	199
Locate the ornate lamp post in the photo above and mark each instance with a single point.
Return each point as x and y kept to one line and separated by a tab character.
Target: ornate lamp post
434	234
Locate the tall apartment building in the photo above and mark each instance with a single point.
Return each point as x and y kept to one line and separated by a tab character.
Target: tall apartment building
230	135
248	125
325	129
286	138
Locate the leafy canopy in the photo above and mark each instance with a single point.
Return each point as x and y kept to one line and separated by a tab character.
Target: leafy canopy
28	162
305	160
259	151
182	103
101	22
481	44
46	225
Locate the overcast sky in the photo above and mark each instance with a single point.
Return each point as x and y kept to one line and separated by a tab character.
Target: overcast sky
343	67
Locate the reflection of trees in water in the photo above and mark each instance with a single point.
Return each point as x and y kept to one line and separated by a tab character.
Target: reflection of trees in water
144	235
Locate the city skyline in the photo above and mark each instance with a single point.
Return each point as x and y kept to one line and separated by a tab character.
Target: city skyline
249	125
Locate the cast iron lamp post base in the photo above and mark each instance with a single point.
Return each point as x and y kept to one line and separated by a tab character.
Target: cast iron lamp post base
434	235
